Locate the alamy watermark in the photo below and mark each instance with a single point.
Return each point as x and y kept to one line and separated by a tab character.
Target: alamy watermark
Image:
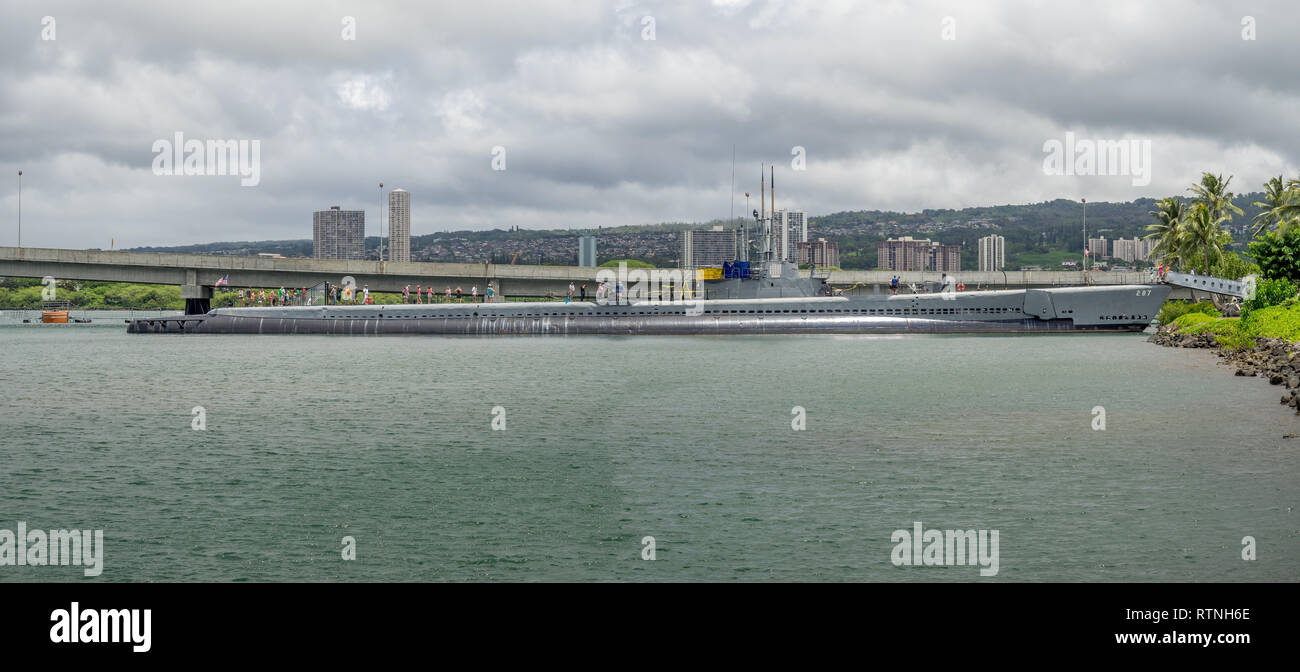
1099	157
212	157
946	548
948	29
41	548
654	287
75	625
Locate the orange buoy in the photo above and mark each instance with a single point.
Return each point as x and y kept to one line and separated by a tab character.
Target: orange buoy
961	286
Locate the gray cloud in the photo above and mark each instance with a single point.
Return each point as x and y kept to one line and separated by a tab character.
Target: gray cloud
602	127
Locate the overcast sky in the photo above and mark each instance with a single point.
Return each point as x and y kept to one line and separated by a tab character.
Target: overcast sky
601	126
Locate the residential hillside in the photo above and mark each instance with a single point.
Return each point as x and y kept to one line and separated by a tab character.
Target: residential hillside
1037	234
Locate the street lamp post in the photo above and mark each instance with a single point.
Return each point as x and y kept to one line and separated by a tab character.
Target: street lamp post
20	209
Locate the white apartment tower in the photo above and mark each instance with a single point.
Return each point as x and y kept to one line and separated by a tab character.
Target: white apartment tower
399	225
789	228
993	256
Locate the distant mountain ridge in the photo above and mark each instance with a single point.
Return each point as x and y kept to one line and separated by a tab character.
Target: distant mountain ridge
1036	233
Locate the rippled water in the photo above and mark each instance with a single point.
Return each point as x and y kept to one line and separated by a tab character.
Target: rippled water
611	439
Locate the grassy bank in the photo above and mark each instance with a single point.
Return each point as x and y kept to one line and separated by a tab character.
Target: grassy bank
1281	321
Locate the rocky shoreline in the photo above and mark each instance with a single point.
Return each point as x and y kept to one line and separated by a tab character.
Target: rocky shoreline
1276	359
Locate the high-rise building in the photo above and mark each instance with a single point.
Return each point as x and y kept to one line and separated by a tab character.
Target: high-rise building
789	228
945	258
1137	249
399	225
708	248
993	255
819	253
586	250
1123	249
1098	248
338	234
1145	248
909	254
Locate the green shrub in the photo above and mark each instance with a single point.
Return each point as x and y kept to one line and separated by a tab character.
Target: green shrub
1184	322
1234	340
1271	292
1202	324
1278	253
1172	310
1272	322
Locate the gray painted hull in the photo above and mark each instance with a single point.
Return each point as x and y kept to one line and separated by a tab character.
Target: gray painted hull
1122	308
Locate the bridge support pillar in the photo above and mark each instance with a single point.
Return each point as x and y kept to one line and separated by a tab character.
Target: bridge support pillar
198	299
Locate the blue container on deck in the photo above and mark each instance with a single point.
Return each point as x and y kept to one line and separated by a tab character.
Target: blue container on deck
735	269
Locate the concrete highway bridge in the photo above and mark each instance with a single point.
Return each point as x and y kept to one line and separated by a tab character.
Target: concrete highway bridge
196	274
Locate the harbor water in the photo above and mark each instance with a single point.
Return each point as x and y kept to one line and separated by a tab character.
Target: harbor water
1095	457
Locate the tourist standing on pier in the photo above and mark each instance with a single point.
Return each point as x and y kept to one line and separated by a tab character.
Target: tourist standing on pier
491	293
460	296
430	293
570	296
365	294
406	294
473	292
448	299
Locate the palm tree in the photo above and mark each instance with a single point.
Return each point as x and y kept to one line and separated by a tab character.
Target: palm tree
1281	205
1213	193
1167	231
1202	232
